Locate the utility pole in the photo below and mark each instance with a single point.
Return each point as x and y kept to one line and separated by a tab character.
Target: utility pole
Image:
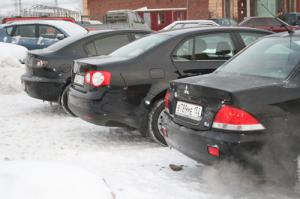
56	3
20	6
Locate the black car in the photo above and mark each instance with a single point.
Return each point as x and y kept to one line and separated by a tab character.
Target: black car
247	111
127	87
48	71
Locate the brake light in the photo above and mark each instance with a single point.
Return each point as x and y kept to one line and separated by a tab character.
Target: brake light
167	100
213	151
235	119
98	78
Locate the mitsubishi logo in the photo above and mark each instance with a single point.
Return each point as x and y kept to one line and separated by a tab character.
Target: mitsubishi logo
186	90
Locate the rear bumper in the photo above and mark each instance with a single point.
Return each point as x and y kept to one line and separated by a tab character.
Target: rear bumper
232	146
43	88
105	108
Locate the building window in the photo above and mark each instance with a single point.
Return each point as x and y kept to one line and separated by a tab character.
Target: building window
160	18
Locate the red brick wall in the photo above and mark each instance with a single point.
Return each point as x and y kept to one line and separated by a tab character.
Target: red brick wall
197	9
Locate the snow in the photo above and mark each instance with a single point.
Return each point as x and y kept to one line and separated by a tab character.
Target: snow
11	53
10	67
45	153
48	180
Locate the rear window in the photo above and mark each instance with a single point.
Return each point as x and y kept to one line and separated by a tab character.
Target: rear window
140	46
273	57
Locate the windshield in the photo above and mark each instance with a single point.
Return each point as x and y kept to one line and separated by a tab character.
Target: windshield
270	57
140	46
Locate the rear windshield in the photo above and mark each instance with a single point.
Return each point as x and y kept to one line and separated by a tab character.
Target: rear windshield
273	57
140	46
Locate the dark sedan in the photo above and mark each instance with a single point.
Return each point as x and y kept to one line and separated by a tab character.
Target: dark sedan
48	71
247	111
127	87
268	23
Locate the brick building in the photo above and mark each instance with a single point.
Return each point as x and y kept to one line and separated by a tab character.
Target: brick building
196	9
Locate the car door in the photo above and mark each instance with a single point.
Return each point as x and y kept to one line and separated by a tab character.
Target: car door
25	35
105	45
48	35
202	54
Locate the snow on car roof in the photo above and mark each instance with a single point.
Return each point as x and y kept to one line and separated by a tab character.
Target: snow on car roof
68	27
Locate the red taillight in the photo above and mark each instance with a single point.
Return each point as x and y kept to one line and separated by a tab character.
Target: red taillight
98	78
231	118
167	99
213	151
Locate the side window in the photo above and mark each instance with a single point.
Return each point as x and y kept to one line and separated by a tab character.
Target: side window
9	30
190	25
25	31
138	35
249	37
260	22
91	49
48	32
185	51
214	47
177	26
105	46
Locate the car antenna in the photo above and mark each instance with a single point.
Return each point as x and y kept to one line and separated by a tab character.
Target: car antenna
284	24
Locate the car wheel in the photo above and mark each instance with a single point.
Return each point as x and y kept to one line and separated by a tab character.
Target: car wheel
155	119
63	101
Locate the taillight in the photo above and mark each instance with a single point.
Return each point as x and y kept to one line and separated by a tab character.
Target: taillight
167	100
97	78
235	119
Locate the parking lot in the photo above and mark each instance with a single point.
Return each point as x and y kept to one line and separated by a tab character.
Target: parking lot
129	166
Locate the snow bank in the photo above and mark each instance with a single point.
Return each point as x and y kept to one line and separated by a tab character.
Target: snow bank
44	180
10	67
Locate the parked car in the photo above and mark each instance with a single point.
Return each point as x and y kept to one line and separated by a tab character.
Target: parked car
225	21
267	23
292	18
41	34
189	24
247	111
48	71
14	19
127	87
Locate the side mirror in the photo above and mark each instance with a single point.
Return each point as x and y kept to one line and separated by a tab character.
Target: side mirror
60	36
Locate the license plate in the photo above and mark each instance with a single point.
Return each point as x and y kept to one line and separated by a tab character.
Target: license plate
79	79
188	110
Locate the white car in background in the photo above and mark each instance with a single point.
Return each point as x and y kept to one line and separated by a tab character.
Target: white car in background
189	24
38	34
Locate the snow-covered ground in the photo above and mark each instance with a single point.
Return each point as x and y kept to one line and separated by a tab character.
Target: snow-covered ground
45	153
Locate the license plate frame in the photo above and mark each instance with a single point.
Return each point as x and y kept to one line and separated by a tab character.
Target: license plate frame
79	80
189	111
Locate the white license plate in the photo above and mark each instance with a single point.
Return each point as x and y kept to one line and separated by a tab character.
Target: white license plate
188	110
79	79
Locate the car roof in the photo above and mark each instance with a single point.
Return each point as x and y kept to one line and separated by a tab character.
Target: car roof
210	29
70	40
69	27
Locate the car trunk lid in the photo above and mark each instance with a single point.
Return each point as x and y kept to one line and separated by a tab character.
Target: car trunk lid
210	92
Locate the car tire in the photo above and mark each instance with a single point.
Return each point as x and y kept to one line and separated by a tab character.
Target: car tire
155	117
63	101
